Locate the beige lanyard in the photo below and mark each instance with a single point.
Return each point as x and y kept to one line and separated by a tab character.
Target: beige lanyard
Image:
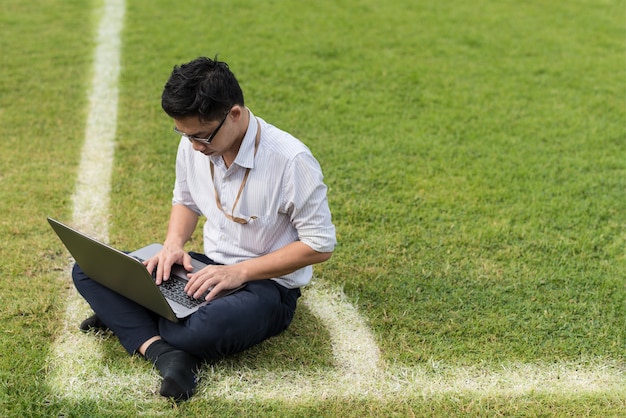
243	183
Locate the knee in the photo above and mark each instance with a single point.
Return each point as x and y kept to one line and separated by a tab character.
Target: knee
208	341
207	345
78	275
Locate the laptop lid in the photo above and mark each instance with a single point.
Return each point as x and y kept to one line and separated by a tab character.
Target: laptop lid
121	272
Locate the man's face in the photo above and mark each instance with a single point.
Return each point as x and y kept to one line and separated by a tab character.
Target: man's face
209	138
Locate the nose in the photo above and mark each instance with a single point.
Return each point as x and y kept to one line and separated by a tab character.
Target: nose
198	146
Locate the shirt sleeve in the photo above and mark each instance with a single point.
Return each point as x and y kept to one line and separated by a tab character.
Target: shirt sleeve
182	194
305	200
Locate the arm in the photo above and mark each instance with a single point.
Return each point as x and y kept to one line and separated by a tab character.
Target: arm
281	262
301	196
278	263
182	223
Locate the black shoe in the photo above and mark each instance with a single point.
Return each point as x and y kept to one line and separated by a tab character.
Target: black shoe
93	323
178	369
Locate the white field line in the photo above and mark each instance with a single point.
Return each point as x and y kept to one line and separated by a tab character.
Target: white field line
91	197
358	371
79	370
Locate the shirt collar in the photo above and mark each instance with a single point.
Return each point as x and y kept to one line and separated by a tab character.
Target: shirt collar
245	156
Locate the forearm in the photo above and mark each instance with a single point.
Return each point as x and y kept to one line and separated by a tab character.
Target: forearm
182	224
281	262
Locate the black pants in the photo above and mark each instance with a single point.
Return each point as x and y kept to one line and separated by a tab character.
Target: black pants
224	326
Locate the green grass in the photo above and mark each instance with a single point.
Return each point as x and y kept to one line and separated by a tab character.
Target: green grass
47	52
474	151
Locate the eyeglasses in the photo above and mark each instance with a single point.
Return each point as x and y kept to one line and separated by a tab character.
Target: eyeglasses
205	141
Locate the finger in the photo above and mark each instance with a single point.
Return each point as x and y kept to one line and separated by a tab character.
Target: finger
167	270
149	265
187	262
168	262
159	273
191	285
197	278
213	293
204	288
199	285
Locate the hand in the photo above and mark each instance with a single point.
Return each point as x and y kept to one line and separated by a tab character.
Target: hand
164	259
214	279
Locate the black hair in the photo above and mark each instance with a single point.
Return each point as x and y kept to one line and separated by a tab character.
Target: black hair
203	87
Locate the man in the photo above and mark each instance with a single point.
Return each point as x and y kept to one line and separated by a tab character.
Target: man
267	221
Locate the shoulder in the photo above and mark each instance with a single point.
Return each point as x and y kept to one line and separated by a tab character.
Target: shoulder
278	143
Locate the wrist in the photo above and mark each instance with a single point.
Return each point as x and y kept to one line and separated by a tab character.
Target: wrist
173	243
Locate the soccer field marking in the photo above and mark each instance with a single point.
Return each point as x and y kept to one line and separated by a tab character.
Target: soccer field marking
83	375
93	183
354	347
80	370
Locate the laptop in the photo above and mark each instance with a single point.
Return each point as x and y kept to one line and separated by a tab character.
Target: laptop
125	274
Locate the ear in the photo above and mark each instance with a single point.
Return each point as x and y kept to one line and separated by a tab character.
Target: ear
236	112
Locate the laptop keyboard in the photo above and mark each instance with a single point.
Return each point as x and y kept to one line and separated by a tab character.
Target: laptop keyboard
174	289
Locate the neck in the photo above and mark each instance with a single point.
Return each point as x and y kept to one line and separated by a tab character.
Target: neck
242	127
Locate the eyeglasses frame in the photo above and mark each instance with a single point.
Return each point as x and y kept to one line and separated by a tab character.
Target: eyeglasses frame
205	141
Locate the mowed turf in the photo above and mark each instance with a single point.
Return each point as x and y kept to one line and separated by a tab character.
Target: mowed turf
474	154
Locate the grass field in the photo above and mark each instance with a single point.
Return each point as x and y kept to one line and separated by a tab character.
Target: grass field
475	154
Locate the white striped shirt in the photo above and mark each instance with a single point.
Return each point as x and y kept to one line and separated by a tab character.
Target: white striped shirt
284	194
